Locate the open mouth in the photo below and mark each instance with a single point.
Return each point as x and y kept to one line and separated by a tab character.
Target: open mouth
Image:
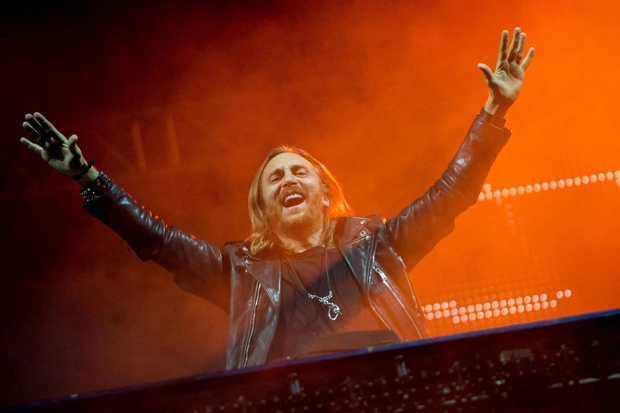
292	200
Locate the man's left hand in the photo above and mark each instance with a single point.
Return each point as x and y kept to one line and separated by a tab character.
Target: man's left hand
505	83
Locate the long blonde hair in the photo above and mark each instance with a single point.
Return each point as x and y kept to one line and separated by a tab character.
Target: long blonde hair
262	236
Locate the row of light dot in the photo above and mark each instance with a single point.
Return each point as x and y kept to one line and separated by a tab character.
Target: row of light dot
491	309
545	186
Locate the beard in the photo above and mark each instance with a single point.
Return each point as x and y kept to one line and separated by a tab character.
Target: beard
302	223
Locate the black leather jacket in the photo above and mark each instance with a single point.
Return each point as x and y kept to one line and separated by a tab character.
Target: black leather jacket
378	252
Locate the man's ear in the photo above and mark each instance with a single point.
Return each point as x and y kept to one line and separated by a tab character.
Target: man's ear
325	192
326	201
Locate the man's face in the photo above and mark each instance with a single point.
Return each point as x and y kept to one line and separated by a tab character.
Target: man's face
292	194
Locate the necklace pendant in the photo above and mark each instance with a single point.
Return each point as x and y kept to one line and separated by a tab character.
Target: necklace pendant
333	311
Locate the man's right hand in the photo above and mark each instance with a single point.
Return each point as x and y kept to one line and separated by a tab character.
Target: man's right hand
62	154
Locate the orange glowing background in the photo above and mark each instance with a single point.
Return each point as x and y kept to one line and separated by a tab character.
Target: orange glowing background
180	101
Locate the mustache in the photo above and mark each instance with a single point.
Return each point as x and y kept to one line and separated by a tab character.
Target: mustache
291	191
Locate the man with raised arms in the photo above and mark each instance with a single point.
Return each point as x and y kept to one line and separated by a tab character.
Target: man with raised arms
312	278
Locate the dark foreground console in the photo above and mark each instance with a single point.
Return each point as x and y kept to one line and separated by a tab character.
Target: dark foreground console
565	365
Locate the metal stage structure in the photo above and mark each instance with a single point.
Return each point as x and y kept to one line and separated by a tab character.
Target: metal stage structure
564	365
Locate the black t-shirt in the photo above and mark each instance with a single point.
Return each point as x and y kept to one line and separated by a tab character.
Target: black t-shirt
306	325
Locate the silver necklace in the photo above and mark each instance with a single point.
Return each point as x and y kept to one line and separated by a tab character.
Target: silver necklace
333	310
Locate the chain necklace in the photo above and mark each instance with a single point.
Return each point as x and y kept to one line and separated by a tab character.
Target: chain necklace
333	310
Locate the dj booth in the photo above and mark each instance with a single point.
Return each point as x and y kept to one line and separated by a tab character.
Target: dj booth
564	365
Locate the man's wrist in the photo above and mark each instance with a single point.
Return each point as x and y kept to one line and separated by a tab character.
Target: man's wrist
88	178
96	188
495	108
492	118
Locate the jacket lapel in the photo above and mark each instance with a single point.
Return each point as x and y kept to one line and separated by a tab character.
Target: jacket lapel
353	239
268	272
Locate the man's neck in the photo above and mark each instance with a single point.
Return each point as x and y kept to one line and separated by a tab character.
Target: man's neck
296	243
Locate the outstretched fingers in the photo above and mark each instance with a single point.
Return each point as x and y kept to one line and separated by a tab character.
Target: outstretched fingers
32	146
49	129
514	46
43	132
72	145
60	153
517	50
31	126
487	72
503	47
528	59
520	49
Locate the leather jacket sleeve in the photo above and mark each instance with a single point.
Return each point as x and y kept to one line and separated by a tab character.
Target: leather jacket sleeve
198	267
419	226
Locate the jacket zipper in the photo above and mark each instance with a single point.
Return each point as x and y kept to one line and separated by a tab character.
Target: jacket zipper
252	325
377	313
415	299
384	279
